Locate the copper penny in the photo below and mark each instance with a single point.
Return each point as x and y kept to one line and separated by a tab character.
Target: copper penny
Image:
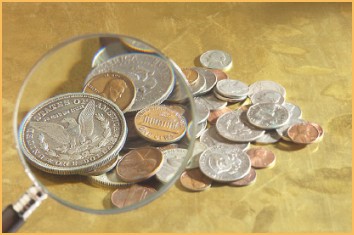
195	180
220	75
303	133
250	178
160	124
320	131
124	197
261	157
139	164
214	115
191	75
114	86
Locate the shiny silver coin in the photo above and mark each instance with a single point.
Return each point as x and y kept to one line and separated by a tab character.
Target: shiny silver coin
269	137
172	161
283	131
108	52
216	59
211	138
108	179
268	115
202	111
211	102
227	99
294	110
267	96
232	88
224	164
73	133
198	149
266	85
210	80
151	75
234	126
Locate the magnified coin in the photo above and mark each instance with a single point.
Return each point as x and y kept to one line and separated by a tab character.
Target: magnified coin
105	168
266	85
303	133
173	159
112	48
261	157
216	59
137	45
268	115
108	179
250	178
123	197
115	87
139	164
191	75
195	180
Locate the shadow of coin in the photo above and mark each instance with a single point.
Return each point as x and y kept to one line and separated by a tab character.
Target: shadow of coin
197	61
288	146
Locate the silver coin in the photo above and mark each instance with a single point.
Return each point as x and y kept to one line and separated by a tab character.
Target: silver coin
202	111
199	85
283	131
216	59
108	52
269	137
232	88
151	75
268	115
212	102
201	127
224	164
211	138
173	159
108	179
210	80
234	126
267	96
73	133
227	99
198	149
266	85
294	110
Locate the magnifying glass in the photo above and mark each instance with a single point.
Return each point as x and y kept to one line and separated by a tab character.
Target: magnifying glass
74	152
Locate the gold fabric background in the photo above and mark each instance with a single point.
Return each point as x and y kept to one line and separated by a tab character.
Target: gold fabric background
306	47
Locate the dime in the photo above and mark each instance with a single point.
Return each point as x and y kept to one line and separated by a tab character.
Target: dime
216	59
232	88
250	178
261	157
73	133
303	133
139	164
269	137
266	85
234	126
115	87
152	76
195	180
214	115
220	75
128	196
211	137
268	115
227	99
160	124
294	110
283	130
197	151
212	102
210	80
202	111
267	96
191	75
224	164
108	179
173	159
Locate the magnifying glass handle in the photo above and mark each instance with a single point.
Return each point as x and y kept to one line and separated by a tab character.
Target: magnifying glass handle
13	216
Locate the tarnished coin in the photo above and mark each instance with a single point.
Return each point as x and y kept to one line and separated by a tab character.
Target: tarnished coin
198	149
73	133
294	110
266	85
224	164
220	75
139	164
160	124
234	126
267	96
173	159
123	197
202	111
152	76
210	80
216	59
227	99
214	115
303	133
283	130
232	88
250	178
115	87
261	157
268	115
191	75
212	102
108	179
211	138
195	180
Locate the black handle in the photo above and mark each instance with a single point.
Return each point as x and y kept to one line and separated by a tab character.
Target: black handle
11	220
